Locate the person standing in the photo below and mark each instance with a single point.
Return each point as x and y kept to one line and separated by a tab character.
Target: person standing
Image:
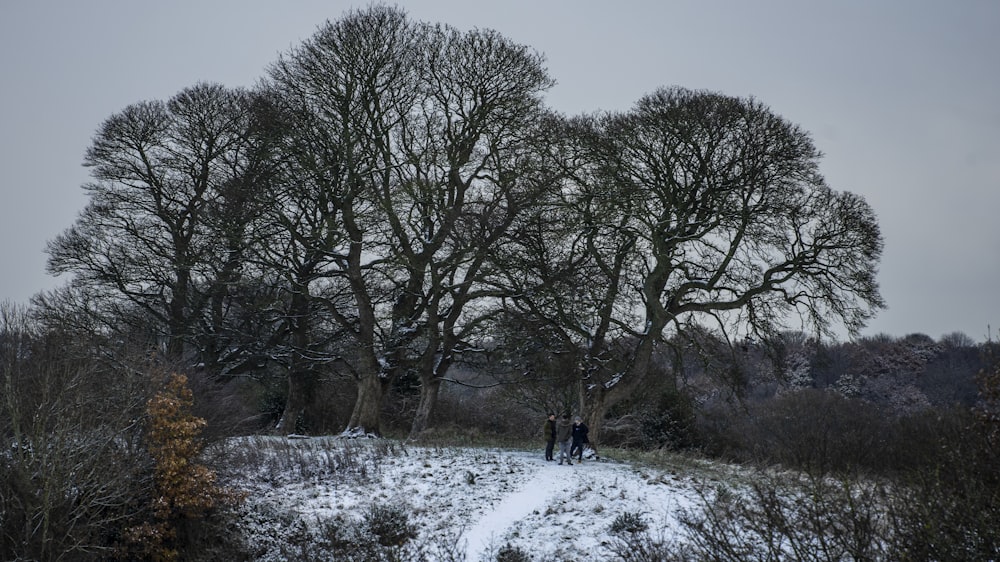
564	436
549	431
579	432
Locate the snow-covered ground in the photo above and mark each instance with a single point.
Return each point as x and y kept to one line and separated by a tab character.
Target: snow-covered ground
479	499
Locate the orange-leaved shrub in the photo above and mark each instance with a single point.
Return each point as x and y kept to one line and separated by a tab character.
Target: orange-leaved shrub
185	490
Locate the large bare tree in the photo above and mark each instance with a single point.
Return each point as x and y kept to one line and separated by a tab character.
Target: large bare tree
345	90
153	233
413	139
696	208
470	165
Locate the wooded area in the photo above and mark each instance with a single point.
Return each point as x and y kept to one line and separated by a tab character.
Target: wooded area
395	198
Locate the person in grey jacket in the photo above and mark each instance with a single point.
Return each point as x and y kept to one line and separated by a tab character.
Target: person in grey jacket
564	436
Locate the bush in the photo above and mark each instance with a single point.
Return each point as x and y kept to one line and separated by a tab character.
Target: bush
631	541
382	533
185	489
389	525
813	519
817	431
629	524
228	405
511	553
949	508
951	513
69	479
930	491
487	416
665	422
945	512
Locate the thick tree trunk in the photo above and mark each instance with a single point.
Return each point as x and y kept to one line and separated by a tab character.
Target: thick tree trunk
367	414
430	389
175	341
594	418
300	377
300	391
601	398
178	318
372	385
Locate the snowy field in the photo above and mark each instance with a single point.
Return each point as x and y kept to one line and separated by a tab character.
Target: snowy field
476	500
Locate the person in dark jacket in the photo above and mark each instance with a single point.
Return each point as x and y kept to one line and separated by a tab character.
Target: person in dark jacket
549	431
564	436
579	431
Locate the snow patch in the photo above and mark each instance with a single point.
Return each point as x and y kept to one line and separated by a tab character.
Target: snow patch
488	497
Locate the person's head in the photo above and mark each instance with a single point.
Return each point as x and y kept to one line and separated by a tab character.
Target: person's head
577	420
552	415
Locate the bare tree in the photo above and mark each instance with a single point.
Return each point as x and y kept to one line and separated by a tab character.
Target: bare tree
146	236
412	138
696	208
344	89
237	330
477	168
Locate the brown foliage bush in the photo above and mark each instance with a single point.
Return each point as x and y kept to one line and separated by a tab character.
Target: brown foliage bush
185	490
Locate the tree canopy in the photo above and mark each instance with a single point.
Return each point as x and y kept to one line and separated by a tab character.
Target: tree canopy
395	195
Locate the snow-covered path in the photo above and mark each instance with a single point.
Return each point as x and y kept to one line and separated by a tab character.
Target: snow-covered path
551	481
475	500
566	511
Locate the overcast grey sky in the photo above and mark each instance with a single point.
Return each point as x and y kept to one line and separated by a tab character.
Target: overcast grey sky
903	97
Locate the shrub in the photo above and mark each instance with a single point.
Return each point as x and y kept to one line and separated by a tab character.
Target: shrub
817	431
946	507
511	553
629	523
631	541
185	490
68	478
661	420
389	525
813	519
949	512
949	508
382	534
988	408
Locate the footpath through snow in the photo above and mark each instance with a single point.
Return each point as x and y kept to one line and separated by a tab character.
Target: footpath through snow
482	499
565	511
550	483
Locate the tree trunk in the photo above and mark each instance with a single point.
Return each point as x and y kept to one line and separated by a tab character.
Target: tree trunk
177	318
300	390
373	382
300	377
175	341
430	388
600	398
366	416
594	418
